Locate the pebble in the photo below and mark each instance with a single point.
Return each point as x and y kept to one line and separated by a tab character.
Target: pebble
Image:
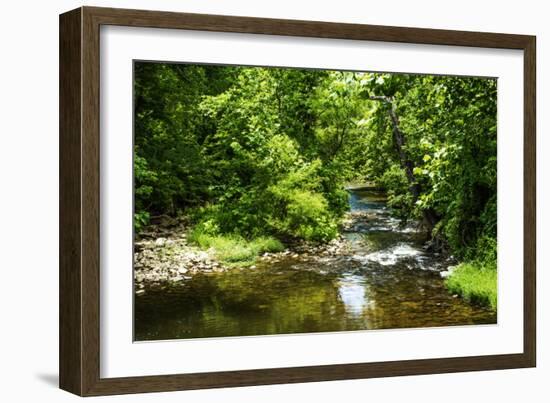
160	241
164	255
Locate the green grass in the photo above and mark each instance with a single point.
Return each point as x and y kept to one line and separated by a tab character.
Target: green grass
475	283
233	248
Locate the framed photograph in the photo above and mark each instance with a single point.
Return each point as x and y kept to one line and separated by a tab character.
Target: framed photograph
249	201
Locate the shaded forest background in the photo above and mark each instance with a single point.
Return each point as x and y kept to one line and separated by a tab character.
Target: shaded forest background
265	152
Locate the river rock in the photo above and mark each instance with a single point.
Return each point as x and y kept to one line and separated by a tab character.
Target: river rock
448	272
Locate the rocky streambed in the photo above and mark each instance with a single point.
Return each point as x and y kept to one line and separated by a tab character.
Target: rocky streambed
163	254
377	275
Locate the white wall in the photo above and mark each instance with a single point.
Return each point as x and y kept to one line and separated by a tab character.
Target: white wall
29	198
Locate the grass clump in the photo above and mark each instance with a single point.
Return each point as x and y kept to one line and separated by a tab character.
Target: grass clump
235	248
476	283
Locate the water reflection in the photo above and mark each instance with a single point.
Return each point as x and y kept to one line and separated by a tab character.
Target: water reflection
386	281
353	293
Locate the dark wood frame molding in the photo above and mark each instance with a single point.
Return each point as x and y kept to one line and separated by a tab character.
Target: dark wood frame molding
79	201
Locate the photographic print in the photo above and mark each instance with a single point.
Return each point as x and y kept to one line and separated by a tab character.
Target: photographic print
271	200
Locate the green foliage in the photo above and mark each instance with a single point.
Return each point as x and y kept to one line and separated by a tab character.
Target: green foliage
144	179
476	279
234	248
477	284
168	162
289	205
254	152
269	187
399	197
141	219
306	215
449	124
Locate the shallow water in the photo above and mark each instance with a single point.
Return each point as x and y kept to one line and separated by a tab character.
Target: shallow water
387	280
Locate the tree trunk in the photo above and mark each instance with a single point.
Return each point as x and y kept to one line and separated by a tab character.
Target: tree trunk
429	215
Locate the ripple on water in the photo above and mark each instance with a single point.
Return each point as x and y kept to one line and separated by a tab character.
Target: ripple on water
389	256
386	281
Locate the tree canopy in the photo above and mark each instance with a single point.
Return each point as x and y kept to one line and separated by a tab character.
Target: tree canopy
267	151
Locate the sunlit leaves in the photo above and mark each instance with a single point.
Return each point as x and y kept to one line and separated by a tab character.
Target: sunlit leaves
259	151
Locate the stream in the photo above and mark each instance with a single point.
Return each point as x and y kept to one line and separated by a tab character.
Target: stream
386	280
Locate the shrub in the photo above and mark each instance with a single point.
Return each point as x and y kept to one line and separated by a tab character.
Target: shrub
141	219
234	248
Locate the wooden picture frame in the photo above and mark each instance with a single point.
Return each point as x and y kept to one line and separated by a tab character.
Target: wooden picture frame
79	346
